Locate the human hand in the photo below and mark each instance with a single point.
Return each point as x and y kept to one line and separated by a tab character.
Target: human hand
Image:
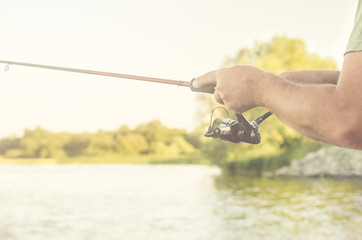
238	87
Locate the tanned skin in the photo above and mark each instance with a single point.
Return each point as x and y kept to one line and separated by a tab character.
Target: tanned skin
320	104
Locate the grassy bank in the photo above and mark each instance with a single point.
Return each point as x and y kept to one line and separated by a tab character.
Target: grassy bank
143	159
27	161
109	159
268	165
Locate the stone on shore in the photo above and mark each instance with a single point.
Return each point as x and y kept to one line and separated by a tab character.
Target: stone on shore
326	162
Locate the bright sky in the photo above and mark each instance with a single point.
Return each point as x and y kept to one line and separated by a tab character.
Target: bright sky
158	38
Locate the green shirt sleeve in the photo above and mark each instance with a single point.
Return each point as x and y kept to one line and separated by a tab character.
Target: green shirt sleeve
355	40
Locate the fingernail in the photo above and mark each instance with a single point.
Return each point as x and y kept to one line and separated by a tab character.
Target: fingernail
195	83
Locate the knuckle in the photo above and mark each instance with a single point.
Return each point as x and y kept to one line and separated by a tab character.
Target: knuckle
284	75
232	106
217	97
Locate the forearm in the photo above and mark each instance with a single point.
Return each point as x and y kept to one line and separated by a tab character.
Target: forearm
319	111
312	76
302	107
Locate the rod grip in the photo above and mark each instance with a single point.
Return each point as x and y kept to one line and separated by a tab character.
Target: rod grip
205	89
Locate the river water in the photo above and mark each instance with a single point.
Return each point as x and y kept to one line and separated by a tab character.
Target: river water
115	202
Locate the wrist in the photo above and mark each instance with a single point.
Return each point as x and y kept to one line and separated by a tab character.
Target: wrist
263	88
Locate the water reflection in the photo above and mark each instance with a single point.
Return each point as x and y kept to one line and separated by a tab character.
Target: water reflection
261	208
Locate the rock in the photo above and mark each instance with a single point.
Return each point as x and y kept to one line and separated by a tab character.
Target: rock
328	161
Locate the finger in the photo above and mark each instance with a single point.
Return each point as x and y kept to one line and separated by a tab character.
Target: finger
218	97
209	78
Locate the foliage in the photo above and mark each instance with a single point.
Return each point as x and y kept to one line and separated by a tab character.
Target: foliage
152	139
42	144
278	55
8	144
281	54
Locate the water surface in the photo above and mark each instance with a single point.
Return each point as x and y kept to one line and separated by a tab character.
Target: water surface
62	202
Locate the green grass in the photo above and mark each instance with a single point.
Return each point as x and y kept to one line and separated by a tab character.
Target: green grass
262	165
144	159
27	161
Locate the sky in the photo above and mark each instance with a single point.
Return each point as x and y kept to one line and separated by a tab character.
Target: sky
158	38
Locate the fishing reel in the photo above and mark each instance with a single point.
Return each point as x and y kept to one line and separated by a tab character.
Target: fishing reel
231	130
235	131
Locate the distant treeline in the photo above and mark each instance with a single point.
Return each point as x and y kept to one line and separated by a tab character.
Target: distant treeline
152	138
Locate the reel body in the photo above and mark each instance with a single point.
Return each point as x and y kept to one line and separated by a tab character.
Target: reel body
236	131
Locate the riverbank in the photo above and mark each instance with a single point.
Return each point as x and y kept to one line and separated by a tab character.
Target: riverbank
25	161
326	162
108	159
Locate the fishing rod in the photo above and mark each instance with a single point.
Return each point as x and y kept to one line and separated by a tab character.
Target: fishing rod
225	129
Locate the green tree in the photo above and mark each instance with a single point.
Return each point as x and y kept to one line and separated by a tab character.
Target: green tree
155	134
281	54
101	143
164	141
76	145
8	144
40	143
131	144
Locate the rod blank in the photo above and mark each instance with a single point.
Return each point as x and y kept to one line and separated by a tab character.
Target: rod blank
100	73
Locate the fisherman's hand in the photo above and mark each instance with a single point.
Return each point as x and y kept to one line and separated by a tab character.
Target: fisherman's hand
239	87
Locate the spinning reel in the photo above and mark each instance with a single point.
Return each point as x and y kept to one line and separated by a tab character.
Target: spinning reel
235	131
231	130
